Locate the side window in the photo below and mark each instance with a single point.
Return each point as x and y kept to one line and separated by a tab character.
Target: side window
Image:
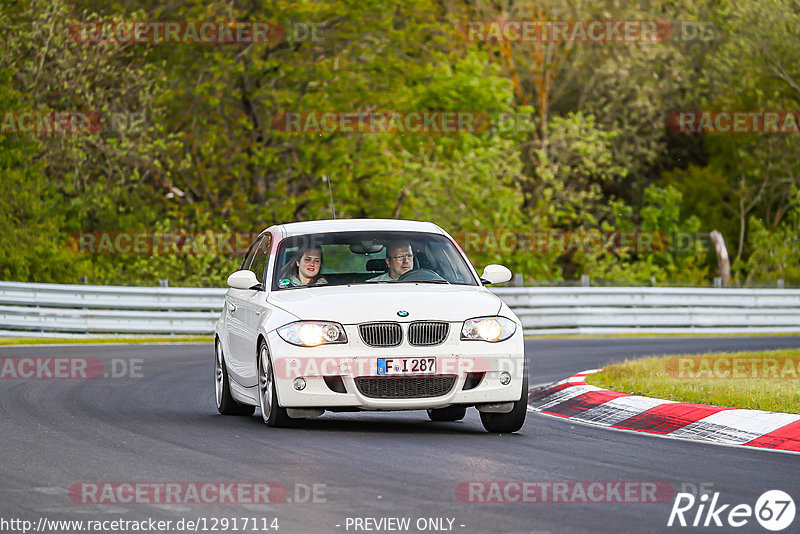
248	258
261	258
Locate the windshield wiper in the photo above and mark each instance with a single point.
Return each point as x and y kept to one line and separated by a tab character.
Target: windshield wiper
425	282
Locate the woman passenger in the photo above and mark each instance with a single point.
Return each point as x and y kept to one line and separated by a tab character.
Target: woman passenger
306	268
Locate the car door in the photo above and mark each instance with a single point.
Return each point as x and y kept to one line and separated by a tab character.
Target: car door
249	311
235	306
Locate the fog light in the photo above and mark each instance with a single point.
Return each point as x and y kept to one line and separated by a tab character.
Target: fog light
505	378
299	384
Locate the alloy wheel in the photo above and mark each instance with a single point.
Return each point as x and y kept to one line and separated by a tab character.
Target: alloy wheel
265	383
219	376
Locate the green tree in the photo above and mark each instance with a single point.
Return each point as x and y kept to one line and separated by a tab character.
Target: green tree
672	252
775	252
748	177
31	248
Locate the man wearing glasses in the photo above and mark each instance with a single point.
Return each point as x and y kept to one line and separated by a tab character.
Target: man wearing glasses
400	260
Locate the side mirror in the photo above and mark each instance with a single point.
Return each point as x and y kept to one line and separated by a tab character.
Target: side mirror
244	280
495	274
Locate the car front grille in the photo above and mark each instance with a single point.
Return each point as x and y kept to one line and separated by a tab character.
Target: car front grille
379	387
381	334
427	333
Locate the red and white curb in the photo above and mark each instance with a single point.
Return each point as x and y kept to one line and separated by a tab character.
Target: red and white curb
574	399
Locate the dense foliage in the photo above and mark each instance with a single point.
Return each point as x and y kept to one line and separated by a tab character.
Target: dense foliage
577	141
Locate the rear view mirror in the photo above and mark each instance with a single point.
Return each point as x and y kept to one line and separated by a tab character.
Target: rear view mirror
495	274
366	247
243	280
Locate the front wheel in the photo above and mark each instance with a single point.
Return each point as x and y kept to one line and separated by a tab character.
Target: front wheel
271	412
226	404
513	420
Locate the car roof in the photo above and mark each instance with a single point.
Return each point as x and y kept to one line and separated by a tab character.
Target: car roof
344	225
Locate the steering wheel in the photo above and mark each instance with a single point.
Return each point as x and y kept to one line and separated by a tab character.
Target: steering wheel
419	275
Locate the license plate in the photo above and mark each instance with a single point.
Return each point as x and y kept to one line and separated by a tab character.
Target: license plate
406	366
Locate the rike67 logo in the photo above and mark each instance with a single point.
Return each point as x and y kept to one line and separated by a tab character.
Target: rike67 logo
774	510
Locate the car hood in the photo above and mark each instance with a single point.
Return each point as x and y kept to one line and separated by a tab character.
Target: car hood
381	302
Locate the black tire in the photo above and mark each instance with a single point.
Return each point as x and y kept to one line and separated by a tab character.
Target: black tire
226	404
272	414
513	420
449	414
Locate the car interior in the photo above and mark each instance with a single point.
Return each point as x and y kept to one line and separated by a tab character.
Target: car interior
355	259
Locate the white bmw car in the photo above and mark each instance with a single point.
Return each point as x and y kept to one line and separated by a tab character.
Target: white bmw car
367	314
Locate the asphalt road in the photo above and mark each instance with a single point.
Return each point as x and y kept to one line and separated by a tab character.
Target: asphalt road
158	424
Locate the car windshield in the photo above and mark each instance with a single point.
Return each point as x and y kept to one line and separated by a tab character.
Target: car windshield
346	258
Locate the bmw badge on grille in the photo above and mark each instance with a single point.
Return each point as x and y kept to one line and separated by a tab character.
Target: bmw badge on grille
402	313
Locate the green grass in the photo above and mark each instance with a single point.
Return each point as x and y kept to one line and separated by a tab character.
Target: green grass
679	379
93	340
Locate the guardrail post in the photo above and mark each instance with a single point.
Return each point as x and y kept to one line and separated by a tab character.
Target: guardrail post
163	282
723	261
781	284
585	282
516	280
718	282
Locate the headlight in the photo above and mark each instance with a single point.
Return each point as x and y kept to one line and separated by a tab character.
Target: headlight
488	329
312	333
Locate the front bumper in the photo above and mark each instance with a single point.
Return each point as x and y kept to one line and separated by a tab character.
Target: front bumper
463	360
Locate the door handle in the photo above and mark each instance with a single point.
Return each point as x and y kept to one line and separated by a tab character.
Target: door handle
231	307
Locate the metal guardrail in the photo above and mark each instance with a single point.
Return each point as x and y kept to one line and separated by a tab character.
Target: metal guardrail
77	310
653	310
65	310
